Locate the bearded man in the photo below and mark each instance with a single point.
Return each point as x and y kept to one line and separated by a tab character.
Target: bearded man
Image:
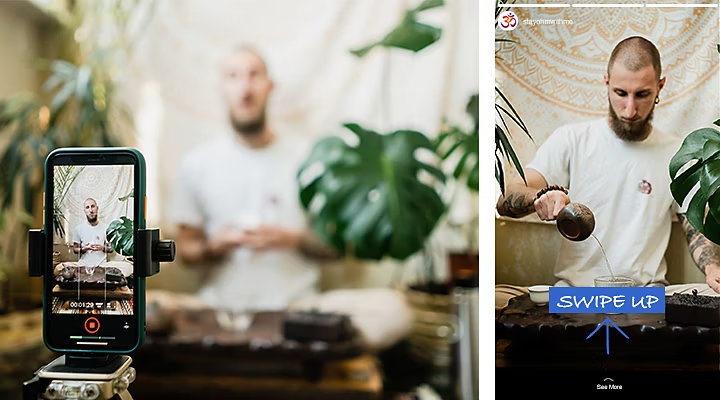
236	203
618	167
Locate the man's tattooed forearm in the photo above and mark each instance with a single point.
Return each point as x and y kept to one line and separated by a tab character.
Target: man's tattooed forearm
708	255
691	234
702	251
516	206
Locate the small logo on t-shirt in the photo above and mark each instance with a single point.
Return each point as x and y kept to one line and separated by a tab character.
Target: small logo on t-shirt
645	187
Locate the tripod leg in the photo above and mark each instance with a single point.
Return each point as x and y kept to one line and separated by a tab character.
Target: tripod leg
122	396
31	388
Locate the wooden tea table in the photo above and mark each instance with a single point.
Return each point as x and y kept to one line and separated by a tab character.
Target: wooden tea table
529	337
196	358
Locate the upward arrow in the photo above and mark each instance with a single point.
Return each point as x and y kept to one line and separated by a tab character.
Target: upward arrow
607	322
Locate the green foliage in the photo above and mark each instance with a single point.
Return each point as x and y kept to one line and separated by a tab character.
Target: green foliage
699	158
458	140
503	110
128	196
65	176
502	138
78	106
409	34
120	235
371	202
700	154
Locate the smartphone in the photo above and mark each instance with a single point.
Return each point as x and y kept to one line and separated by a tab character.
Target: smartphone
93	208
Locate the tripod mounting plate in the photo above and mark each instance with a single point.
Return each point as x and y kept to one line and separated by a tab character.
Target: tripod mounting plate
59	381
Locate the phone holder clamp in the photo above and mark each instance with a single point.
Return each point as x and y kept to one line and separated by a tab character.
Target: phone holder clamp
92	375
150	251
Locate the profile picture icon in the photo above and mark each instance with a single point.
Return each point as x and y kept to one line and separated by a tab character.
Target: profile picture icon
508	21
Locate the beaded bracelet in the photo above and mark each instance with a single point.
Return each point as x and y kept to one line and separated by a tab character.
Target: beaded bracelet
550	188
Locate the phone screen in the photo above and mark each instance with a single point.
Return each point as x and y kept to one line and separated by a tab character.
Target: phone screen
91	292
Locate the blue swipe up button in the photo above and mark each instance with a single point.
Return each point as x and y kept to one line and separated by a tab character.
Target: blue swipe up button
603	300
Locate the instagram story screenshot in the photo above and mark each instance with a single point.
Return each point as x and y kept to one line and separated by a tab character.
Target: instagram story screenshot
607	263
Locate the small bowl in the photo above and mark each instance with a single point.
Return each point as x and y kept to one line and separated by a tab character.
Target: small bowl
539	294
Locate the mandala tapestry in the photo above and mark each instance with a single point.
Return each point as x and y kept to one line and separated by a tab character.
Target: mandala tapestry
553	70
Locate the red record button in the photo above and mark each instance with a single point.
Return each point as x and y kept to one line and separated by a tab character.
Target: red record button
92	325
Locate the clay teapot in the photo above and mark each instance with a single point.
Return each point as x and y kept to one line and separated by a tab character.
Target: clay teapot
576	222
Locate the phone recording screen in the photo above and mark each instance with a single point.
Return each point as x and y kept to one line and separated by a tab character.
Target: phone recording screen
92	286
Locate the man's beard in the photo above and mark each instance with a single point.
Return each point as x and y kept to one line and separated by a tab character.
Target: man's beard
637	132
248	128
92	220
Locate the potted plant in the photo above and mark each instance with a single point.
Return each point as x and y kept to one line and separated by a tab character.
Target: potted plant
701	148
463	144
369	201
120	233
78	106
699	160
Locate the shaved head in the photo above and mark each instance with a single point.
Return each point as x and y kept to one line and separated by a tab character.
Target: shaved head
91	210
636	53
246	87
251	50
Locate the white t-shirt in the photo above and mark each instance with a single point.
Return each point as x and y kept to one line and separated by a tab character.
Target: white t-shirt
88	234
627	186
224	183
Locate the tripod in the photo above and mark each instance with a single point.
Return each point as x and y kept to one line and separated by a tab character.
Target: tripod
82	377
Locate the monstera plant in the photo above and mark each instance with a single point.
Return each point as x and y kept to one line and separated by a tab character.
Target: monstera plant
410	34
370	199
366	199
120	233
699	158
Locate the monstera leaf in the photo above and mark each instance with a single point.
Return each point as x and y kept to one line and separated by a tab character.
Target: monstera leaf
409	34
120	235
368	199
700	153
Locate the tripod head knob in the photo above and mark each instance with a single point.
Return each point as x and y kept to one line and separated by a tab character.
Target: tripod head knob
164	251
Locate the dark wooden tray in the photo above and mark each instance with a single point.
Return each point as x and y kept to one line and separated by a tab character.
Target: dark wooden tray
95	281
523	319
196	341
693	309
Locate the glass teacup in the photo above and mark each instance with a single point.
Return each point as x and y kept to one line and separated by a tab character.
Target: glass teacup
616	281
